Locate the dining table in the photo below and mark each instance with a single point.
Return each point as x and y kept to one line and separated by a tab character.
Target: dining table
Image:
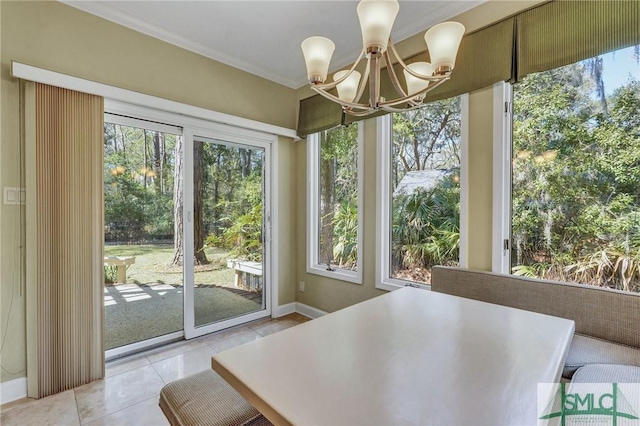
408	357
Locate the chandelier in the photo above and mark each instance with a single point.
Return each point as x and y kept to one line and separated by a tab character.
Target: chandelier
376	19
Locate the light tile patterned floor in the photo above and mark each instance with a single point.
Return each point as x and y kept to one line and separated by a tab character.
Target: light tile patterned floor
129	393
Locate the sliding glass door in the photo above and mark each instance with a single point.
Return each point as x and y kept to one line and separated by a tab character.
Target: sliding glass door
227	219
187	225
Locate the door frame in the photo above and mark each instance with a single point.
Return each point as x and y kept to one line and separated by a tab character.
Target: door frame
202	127
232	137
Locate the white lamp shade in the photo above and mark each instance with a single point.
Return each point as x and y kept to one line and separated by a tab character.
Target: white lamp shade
317	55
347	89
443	41
414	84
376	19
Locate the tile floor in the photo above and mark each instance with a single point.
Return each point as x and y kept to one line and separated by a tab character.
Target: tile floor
128	395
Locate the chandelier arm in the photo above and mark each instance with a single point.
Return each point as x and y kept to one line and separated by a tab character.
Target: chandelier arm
409	97
347	105
358	114
409	70
391	109
363	83
372	77
392	74
328	86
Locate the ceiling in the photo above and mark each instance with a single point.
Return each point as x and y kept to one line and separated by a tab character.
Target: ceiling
263	37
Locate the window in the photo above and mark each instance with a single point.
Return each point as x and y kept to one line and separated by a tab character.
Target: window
335	203
576	173
419	193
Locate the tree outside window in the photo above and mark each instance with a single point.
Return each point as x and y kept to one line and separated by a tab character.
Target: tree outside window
338	193
576	173
425	190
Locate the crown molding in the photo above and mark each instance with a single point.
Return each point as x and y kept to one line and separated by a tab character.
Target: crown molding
104	11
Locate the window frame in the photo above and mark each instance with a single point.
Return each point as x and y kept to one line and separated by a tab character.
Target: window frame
313	216
502	177
384	129
503	166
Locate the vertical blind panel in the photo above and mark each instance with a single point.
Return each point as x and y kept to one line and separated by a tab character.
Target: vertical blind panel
69	139
567	31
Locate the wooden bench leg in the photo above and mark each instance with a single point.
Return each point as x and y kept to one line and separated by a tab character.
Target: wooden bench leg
122	274
237	277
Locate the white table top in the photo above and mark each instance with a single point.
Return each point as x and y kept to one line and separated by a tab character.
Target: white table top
408	357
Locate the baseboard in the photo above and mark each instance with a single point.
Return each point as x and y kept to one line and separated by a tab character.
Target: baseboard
309	311
301	308
13	390
283	310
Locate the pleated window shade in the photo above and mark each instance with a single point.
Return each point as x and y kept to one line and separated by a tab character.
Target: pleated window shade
484	58
67	291
316	114
566	31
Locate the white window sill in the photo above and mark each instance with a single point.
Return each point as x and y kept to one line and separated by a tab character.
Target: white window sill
391	284
338	274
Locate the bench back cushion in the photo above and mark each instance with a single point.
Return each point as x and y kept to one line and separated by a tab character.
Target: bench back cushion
598	312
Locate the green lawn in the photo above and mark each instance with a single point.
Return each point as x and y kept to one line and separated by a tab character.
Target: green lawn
152	265
136	313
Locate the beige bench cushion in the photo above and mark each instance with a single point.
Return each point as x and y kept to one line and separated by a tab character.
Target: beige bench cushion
206	398
607	373
586	350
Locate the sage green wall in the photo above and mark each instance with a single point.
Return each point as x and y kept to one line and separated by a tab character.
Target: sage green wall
288	252
12	298
54	36
480	194
57	37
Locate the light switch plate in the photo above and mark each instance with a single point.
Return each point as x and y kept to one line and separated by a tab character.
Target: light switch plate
14	196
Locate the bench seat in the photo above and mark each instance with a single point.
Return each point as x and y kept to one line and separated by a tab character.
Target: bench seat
607	373
587	350
206	399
